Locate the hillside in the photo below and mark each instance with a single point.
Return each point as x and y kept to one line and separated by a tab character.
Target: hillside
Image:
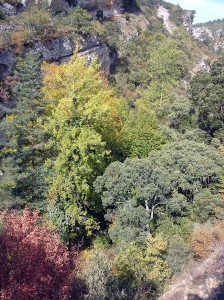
111	164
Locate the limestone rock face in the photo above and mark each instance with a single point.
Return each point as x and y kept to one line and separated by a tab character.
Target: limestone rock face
7	60
108	6
163	13
8	9
59	50
188	17
214	38
203	282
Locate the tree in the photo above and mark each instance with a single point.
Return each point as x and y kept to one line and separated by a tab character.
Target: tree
100	278
207	95
170	177
25	145
83	123
145	264
141	134
35	264
167	65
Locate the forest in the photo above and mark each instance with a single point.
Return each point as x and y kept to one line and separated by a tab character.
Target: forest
111	185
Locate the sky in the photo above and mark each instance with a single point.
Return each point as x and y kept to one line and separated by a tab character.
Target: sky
206	10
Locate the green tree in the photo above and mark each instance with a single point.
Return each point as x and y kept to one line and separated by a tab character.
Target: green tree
207	94
170	177
100	278
141	133
25	143
83	123
167	64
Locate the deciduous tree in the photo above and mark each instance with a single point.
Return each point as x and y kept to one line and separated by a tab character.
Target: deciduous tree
35	264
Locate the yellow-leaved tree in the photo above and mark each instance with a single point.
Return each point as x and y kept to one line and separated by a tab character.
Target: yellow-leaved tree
83	124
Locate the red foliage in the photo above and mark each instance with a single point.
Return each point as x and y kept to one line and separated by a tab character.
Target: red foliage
34	263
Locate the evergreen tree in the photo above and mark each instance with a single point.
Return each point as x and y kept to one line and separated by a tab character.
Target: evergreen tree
207	94
25	143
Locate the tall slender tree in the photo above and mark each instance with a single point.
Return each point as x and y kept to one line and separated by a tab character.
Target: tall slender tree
25	144
84	124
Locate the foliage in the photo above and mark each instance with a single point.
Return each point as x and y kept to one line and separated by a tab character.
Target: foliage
171	175
178	253
76	21
34	24
145	264
83	124
207	206
26	139
100	279
128	225
181	113
141	134
112	33
205	238
207	95
34	262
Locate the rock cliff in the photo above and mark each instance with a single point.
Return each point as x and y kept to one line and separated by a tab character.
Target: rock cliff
59	50
210	34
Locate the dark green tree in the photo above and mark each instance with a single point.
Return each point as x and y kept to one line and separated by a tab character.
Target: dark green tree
168	178
207	94
25	144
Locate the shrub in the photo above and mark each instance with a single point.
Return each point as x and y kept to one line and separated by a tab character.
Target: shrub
35	264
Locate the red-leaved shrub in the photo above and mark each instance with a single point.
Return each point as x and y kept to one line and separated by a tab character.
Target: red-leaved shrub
34	262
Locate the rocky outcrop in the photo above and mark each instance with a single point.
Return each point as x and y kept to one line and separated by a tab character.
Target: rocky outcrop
165	15
7	60
203	282
109	7
8	9
211	37
59	50
188	18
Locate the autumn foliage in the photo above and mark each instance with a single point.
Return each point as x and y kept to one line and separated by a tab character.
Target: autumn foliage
206	238
35	264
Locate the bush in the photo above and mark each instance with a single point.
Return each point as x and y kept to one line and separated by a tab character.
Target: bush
35	264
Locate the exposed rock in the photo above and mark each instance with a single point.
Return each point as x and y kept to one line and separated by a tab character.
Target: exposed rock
55	49
59	50
93	47
201	65
7	60
165	15
203	282
212	37
6	28
200	32
109	7
188	17
7	9
58	5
